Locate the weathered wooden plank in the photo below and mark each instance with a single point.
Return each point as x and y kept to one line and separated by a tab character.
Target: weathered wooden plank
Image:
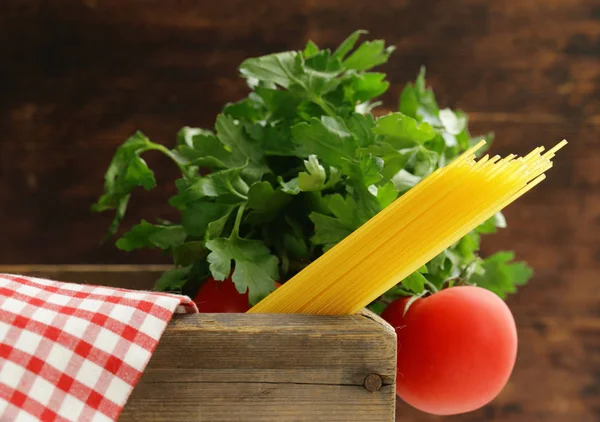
233	367
310	349
258	402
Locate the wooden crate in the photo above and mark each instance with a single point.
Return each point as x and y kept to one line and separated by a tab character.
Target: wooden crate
251	367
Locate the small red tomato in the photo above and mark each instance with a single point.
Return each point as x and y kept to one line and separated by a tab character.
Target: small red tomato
221	297
456	349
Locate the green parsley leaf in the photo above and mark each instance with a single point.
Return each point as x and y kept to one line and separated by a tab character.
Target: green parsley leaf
344	209
454	123
419	102
403	180
348	44
188	253
197	216
328	138
246	109
368	170
173	280
361	126
368	55
256	269
321	71
400	129
265	202
233	137
328	230
203	148
278	69
226	184
415	282
369	86
501	275
312	181
496	222
262	197
386	194
126	172
146	235
311	49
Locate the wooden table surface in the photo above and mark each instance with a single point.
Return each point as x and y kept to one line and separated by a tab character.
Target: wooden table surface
79	76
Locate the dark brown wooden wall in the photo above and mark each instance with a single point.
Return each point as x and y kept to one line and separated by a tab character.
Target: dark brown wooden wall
77	77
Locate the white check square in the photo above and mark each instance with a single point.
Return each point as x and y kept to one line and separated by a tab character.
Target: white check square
41	391
122	313
57	299
28	341
4	329
13	305
89	373
25	417
102	291
137	357
101	417
5	281
106	341
72	287
76	326
138	296
3	405
152	327
59	357
117	391
91	305
70	408
28	290
44	315
11	374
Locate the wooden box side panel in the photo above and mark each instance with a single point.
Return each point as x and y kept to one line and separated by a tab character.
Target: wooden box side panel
236	367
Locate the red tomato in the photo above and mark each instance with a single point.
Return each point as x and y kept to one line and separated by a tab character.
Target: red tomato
221	297
456	349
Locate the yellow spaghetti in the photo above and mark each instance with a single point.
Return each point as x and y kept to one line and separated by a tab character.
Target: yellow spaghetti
407	234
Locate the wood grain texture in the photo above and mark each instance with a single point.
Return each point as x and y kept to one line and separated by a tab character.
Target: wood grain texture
79	76
237	367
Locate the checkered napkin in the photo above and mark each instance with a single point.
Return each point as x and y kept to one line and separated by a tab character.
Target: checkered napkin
71	352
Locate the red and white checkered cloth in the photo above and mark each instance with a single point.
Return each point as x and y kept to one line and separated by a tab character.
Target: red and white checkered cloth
71	352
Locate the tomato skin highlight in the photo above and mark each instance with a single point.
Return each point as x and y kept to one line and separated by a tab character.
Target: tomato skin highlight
221	297
456	349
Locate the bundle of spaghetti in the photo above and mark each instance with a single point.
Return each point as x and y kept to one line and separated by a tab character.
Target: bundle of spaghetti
419	225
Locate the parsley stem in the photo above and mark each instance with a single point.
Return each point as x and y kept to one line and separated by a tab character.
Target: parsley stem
431	286
238	220
169	153
384	301
321	103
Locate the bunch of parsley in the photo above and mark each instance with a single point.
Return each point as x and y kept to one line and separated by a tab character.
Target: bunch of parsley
296	166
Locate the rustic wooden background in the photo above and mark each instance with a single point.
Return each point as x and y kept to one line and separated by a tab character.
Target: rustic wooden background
77	77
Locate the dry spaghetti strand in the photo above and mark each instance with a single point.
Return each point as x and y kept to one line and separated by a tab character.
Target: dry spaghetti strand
407	234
